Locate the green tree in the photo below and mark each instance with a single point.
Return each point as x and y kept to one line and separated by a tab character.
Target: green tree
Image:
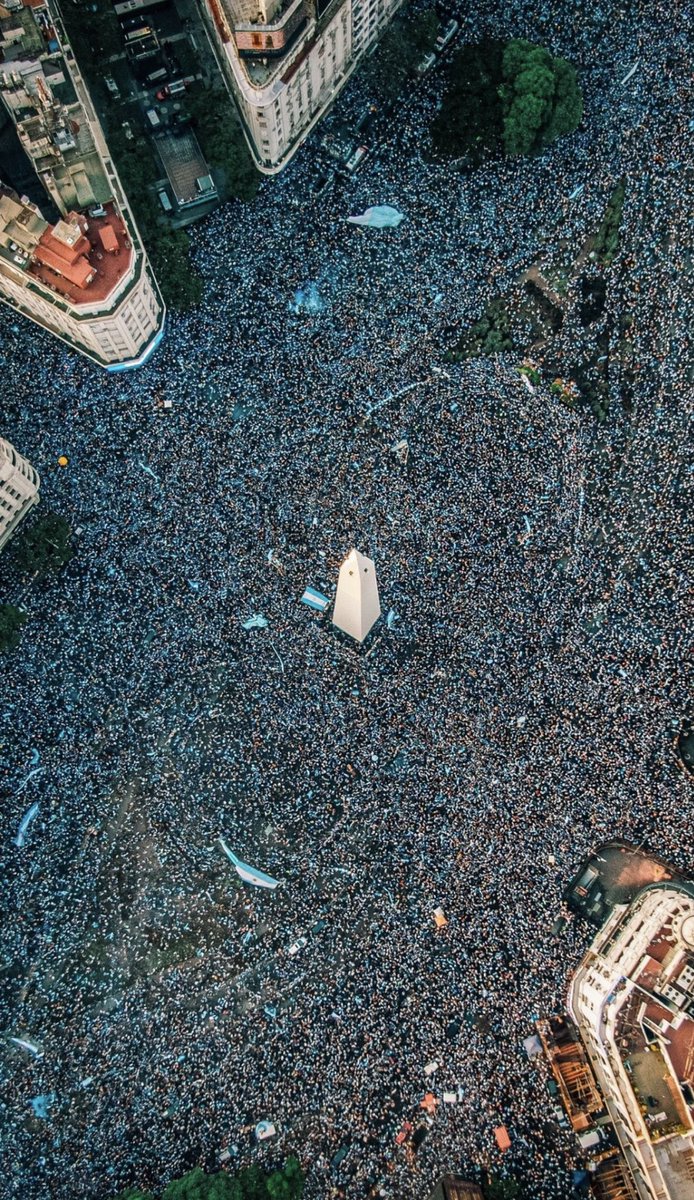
94	34
400	50
424	29
496	1188
540	97
197	1185
45	546
252	1181
287	1184
222	141
11	621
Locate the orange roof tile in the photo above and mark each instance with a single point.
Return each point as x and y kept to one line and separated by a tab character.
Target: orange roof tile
79	271
109	241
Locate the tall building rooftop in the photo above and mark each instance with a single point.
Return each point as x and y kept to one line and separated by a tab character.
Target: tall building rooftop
81	258
633	1002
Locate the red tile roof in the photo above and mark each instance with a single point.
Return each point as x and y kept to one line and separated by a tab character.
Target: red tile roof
108	239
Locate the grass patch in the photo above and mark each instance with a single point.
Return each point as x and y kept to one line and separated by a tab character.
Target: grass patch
607	238
490	335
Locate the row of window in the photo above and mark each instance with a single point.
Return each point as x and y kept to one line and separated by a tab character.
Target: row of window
8	490
8	506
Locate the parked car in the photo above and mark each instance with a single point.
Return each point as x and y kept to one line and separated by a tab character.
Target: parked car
128	130
156	77
446	35
171	89
111	86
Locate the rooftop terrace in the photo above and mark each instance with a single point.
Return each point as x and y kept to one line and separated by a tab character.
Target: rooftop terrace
108	266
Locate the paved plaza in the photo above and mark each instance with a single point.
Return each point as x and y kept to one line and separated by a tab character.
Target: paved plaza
519	706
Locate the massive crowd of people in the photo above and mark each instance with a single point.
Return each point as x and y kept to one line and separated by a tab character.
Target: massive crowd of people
515	705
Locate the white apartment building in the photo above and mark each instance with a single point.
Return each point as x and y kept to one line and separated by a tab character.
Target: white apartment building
286	60
87	278
19	489
632	1000
82	279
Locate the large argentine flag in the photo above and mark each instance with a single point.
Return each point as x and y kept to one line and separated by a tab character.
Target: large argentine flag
249	874
315	599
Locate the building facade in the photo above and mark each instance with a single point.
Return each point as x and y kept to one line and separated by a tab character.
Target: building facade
285	61
85	278
82	279
19	489
632	1000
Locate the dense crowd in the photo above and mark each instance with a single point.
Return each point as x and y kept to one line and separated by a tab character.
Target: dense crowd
516	704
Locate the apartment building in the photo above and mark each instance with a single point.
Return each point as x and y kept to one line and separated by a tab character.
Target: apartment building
285	61
85	278
632	1000
19	489
82	279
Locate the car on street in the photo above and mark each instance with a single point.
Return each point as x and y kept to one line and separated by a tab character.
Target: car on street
297	946
172	89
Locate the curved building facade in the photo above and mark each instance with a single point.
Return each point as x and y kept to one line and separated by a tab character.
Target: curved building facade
632	999
19	489
285	61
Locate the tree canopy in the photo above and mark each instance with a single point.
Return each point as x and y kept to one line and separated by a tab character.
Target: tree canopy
196	1185
45	545
223	143
513	96
250	1183
496	1188
11	621
540	97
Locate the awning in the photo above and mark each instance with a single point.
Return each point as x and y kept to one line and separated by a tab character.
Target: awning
503	1141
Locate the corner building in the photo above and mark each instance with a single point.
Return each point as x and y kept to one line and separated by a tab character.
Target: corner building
86	278
81	279
632	999
286	61
19	490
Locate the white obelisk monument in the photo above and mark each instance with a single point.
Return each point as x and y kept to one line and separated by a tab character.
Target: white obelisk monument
357	606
